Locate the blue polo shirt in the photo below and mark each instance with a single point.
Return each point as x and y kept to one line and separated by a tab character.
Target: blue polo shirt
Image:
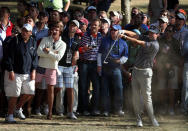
22	58
119	49
39	34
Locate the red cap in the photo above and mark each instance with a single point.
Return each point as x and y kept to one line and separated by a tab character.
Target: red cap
85	21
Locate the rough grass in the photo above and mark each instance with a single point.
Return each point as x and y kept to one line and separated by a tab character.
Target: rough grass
113	123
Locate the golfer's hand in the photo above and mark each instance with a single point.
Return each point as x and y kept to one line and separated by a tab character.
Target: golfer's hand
11	75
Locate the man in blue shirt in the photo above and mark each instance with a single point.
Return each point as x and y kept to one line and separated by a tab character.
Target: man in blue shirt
112	53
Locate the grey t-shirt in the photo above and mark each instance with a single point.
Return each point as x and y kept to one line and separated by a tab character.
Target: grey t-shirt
146	55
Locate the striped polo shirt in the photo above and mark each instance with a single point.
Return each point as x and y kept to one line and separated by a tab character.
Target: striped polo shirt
88	40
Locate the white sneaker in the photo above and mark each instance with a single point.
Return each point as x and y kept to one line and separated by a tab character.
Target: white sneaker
139	123
37	111
155	122
19	114
71	115
10	119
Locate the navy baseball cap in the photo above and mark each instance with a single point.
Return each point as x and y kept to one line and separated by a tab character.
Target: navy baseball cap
116	27
154	29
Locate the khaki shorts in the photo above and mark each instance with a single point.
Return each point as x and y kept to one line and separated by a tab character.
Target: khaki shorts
20	85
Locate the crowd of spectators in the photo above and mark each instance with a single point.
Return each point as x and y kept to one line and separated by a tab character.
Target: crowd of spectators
86	55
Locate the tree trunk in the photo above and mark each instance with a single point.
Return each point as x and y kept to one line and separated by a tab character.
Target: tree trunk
125	9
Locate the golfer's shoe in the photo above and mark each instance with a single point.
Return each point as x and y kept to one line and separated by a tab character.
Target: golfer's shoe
139	123
155	122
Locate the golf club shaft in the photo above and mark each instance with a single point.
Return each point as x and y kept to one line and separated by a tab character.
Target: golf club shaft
109	52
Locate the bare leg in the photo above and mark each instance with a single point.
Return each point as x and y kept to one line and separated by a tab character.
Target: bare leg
50	100
11	104
23	99
70	98
29	106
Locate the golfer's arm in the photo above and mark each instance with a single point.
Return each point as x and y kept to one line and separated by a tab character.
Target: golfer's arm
131	34
133	40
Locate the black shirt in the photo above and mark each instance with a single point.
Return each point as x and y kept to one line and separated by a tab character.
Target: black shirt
72	46
22	58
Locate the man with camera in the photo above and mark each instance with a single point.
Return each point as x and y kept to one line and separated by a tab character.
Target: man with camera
88	68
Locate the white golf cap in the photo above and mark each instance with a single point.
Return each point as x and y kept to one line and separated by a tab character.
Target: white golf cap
28	27
164	19
76	23
115	13
106	20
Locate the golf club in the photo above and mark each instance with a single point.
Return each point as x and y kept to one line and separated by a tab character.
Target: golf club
106	62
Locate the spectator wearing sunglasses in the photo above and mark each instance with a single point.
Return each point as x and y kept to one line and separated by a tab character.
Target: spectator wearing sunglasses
50	50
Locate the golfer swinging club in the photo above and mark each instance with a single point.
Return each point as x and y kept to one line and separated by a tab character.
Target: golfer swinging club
113	52
142	72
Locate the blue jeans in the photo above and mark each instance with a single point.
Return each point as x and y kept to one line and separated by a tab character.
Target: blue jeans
87	73
111	82
184	97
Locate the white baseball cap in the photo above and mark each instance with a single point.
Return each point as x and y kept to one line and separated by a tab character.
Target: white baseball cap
76	23
164	19
115	13
106	20
28	27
